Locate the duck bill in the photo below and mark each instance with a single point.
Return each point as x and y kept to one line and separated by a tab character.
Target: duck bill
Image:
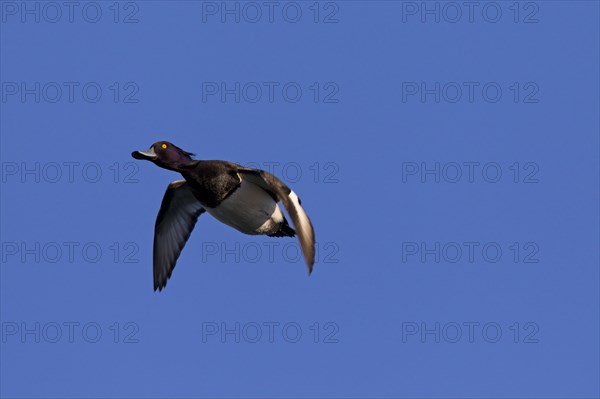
149	155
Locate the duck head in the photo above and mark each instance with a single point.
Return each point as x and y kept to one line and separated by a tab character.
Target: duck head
165	155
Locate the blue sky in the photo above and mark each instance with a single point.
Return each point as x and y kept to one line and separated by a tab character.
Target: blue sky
446	154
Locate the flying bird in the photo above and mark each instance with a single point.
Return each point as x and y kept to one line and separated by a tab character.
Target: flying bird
243	198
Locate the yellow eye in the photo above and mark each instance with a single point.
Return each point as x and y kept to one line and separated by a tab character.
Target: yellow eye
164	146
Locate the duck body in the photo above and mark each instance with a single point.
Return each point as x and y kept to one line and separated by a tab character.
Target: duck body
227	197
243	198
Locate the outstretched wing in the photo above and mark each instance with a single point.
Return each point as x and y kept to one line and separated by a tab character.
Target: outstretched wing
176	219
279	191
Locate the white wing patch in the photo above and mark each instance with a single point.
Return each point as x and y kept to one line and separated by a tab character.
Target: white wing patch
304	221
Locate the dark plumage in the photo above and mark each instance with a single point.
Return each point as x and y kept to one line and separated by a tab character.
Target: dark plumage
243	198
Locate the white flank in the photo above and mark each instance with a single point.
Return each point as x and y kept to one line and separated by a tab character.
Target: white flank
250	209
